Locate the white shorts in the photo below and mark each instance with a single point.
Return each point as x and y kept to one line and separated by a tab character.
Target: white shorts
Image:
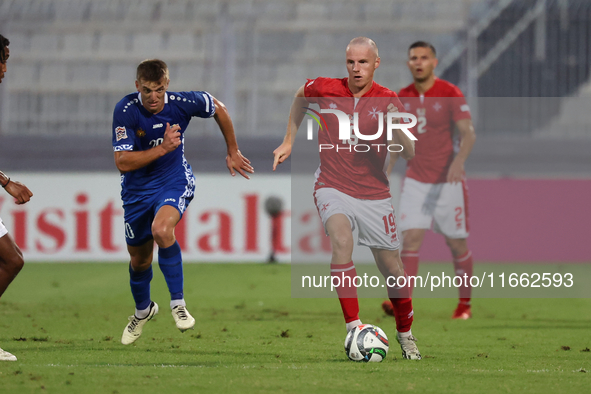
375	219
3	230
445	203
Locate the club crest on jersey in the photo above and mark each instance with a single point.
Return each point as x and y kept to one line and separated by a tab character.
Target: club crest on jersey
140	133
120	133
374	112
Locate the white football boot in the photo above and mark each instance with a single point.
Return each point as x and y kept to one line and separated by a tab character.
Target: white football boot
410	351
5	356
183	318
134	328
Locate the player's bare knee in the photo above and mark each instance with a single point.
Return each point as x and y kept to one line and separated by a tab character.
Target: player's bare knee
341	243
457	246
163	235
13	263
412	240
18	263
140	264
410	244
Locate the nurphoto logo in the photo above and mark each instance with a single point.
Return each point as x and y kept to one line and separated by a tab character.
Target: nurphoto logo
349	129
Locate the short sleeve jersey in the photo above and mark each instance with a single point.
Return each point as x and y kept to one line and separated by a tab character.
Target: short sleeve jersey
437	112
359	174
137	129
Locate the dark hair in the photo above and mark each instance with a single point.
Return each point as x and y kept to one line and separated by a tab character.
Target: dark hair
152	70
422	44
3	44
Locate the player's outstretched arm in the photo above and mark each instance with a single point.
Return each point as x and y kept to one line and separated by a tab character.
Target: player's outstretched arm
468	137
134	160
296	115
393	159
399	137
408	145
234	160
20	192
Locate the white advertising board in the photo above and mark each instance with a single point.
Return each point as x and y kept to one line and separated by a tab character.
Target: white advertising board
78	217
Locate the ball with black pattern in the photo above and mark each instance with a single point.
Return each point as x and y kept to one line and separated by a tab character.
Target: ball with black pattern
366	343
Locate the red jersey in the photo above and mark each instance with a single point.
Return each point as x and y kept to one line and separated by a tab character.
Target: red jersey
347	167
437	112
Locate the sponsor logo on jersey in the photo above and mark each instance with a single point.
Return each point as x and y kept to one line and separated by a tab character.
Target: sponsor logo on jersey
120	133
332	106
437	106
140	133
465	108
157	126
170	199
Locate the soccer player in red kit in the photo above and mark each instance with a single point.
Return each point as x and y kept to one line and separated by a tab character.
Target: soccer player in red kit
352	188
434	188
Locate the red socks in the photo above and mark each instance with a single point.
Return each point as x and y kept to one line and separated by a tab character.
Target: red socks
346	291
410	260
464	265
402	303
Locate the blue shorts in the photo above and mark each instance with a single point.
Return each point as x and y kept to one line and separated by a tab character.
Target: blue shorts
139	215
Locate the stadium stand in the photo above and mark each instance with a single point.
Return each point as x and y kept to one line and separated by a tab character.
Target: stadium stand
72	60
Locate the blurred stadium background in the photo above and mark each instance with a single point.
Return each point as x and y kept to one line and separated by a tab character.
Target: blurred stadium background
72	61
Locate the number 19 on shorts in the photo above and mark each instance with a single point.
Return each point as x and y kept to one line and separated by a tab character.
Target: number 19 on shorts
389	224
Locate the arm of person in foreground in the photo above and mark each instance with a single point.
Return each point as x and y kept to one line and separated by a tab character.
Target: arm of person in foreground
234	160
134	160
296	115
20	192
468	137
408	147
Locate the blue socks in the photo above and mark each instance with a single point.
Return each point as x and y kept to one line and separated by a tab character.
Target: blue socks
171	265
140	287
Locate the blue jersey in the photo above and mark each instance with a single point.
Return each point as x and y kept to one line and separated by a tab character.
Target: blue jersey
137	129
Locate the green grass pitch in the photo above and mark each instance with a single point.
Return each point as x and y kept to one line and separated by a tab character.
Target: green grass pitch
64	323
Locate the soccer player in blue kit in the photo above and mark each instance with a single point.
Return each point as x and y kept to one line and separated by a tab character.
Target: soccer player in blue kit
158	184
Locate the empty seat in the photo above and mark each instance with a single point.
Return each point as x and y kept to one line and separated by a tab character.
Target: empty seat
121	77
87	76
113	43
44	43
78	44
147	45
107	10
140	10
188	76
174	10
23	76
52	76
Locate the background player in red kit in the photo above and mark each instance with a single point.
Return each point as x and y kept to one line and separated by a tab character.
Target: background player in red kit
352	188
435	184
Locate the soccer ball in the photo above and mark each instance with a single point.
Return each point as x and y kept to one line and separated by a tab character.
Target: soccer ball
366	343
